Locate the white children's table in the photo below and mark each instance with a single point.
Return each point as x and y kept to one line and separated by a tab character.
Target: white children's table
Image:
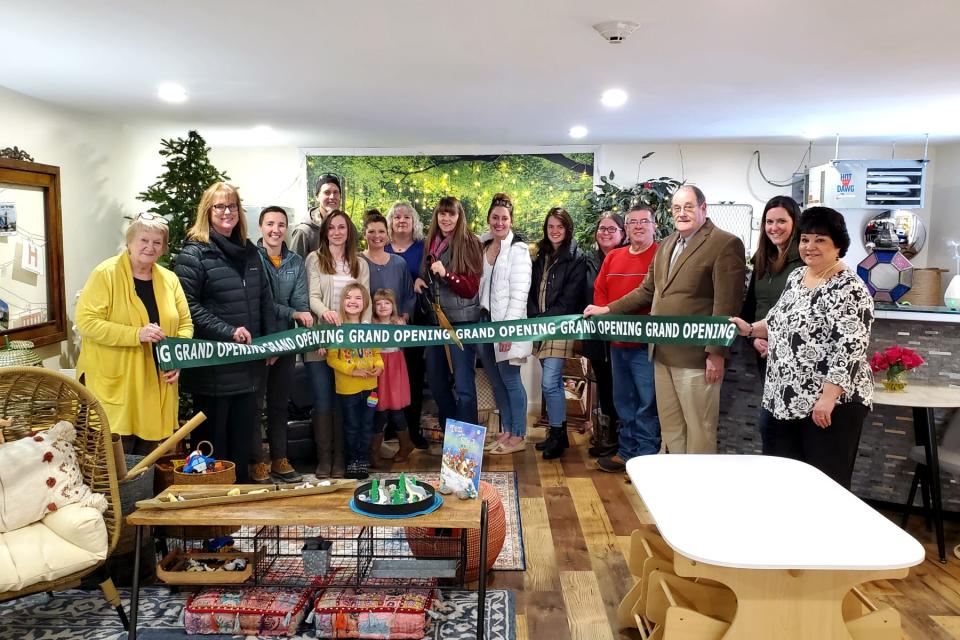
786	539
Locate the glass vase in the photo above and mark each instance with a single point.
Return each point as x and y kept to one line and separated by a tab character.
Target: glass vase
895	381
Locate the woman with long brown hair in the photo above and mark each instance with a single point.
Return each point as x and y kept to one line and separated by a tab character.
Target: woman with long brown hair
557	288
330	268
450	277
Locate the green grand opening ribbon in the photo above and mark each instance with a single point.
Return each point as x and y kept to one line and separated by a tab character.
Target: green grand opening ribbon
180	353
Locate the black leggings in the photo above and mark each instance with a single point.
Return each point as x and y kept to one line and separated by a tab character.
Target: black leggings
833	450
229	427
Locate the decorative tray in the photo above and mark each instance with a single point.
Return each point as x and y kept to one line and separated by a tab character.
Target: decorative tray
173	568
402	509
201	498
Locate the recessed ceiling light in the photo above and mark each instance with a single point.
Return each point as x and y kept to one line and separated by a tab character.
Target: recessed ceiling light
172	92
578	131
262	130
614	97
812	133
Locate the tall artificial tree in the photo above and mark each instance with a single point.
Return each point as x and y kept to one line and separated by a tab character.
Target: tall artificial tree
176	194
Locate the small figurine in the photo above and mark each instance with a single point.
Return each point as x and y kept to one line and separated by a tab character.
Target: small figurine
414	492
397	495
197	462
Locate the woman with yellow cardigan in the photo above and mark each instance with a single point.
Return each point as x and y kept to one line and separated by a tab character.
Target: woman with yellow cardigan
128	304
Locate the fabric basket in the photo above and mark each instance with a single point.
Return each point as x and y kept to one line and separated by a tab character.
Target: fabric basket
372	613
139	487
265	611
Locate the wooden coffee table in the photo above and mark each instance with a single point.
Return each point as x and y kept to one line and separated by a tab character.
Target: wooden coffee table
324	510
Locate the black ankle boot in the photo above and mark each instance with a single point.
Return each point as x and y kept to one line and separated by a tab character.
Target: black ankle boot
558	443
608	442
540	446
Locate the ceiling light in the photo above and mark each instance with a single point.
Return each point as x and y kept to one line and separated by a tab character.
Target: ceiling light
172	92
578	131
812	133
614	97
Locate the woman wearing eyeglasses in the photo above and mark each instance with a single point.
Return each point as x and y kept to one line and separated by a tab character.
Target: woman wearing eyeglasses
129	303
230	301
610	234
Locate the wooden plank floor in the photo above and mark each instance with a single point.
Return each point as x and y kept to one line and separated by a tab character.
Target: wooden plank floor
576	524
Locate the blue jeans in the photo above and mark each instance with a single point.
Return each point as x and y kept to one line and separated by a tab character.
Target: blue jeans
456	393
357	427
321	384
636	402
508	391
552	386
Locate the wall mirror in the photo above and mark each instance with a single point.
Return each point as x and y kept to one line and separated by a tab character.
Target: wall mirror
901	229
32	301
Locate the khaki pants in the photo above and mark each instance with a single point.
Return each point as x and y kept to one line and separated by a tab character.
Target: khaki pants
689	409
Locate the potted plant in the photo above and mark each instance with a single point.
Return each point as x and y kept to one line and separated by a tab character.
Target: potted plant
895	361
654	192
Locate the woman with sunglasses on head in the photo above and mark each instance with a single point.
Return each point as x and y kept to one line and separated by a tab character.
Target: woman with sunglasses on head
226	285
610	234
129	303
450	277
556	289
330	268
406	240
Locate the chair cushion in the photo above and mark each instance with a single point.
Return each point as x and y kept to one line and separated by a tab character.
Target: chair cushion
40	474
949	458
37	552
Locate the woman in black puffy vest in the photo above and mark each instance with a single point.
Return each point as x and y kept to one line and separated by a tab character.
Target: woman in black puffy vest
230	301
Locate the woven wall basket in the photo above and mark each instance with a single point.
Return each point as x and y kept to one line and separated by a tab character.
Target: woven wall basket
19	353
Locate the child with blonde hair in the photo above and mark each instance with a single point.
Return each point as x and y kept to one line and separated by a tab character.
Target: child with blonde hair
355	376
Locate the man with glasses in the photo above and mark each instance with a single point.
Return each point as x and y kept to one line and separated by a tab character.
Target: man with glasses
699	272
623	271
305	237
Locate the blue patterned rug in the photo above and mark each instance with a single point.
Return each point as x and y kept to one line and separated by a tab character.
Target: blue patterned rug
85	615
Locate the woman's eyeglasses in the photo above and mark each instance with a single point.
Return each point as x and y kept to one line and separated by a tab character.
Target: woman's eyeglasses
148	216
220	208
613	229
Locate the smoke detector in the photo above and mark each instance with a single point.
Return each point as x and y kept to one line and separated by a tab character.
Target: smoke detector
615	31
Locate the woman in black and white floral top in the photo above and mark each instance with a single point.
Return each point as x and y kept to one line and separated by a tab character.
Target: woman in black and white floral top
818	386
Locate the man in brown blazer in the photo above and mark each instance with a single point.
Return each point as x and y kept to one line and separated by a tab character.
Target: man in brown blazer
698	271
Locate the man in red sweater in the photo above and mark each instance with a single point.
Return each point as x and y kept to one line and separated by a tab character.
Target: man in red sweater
623	271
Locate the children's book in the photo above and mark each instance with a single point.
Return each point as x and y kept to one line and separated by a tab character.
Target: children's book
462	456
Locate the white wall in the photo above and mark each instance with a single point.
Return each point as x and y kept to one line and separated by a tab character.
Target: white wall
92	154
729	172
946	209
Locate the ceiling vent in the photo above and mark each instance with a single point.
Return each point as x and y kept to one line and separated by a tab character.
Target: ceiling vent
868	184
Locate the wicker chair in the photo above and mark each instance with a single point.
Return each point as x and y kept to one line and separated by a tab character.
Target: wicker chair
38	398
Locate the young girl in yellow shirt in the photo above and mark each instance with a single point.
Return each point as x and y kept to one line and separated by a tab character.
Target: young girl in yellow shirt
355	374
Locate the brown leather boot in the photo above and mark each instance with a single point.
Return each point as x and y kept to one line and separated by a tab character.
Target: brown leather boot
323	440
377	460
406	446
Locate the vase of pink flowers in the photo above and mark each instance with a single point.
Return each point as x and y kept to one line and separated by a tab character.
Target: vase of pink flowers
895	361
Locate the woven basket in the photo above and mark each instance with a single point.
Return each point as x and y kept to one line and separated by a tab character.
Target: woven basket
139	487
19	353
925	289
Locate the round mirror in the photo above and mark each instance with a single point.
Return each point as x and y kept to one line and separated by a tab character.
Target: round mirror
898	229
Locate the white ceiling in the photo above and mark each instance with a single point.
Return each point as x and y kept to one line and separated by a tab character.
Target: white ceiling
402	73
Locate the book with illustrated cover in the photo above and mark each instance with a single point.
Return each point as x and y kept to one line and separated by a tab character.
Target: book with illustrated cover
462	456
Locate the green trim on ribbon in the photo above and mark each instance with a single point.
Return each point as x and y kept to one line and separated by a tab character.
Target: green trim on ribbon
181	353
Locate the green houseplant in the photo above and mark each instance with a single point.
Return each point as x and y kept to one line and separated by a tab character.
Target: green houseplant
655	192
176	194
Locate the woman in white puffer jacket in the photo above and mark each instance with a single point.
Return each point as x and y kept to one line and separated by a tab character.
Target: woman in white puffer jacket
503	294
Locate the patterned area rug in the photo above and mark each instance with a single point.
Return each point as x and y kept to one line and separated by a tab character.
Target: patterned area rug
85	615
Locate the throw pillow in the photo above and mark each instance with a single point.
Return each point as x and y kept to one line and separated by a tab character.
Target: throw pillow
40	474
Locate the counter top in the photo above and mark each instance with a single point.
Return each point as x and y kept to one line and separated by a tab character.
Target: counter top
916	313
